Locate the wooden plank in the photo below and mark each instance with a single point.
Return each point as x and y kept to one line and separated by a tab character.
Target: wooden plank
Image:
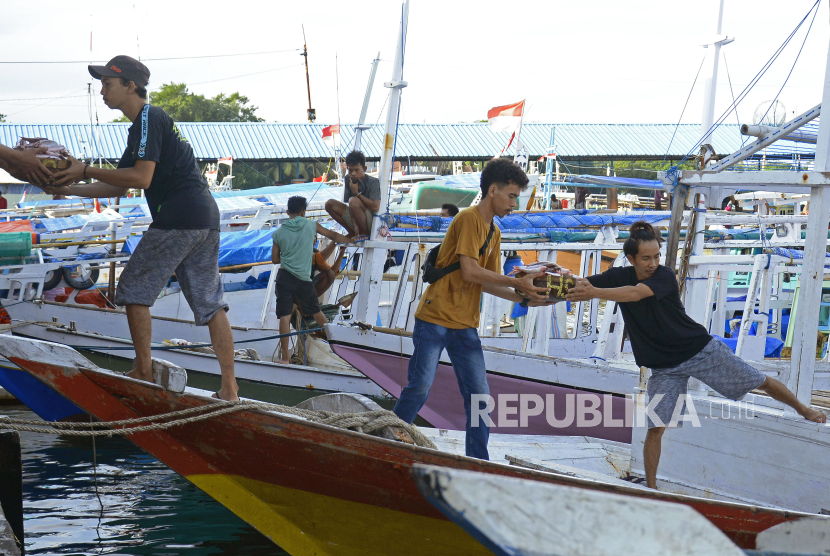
516	516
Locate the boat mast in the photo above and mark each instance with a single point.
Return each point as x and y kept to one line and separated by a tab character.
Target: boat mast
803	359
312	114
519	138
374	254
713	196
361	122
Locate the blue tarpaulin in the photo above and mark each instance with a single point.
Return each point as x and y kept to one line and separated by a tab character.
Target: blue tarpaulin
772	348
245	247
531	222
613	181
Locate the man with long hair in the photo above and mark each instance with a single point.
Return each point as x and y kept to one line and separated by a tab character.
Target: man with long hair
665	339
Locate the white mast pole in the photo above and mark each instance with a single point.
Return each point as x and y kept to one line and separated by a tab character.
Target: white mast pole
358	130
375	255
803	362
715	195
519	134
711	85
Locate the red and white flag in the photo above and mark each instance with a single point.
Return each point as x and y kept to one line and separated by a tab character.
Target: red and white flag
227	160
506	118
331	136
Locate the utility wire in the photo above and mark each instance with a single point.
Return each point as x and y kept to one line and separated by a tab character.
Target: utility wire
151	59
684	108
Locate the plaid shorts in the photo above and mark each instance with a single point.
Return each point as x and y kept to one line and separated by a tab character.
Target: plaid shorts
193	255
715	366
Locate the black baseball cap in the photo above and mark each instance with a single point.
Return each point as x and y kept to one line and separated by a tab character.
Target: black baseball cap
124	67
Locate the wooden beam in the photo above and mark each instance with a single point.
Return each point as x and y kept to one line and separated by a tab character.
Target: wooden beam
678	204
11	483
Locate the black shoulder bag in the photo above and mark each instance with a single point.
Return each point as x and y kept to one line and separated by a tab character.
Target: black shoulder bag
433	274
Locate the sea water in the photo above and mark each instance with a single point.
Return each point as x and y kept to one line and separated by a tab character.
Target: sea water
139	505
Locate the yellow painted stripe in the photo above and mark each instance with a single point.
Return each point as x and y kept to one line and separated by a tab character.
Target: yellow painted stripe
304	523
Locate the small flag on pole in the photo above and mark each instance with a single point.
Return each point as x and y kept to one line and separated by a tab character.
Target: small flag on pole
331	136
506	118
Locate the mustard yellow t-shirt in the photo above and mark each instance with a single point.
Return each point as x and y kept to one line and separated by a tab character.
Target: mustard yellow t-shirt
451	302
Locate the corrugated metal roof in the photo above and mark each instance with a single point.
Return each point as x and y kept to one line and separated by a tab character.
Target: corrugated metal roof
262	141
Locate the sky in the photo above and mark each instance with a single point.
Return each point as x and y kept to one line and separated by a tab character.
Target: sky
599	61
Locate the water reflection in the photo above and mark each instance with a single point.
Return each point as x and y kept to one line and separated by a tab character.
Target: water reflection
141	506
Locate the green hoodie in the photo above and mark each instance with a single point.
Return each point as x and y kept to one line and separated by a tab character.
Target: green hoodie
295	239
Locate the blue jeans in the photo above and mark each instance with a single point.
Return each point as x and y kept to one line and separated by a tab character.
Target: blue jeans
464	348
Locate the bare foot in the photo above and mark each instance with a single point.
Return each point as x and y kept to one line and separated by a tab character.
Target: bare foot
814	415
284	362
146	376
225	396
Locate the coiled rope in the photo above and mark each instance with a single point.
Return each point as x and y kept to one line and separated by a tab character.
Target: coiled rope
366	422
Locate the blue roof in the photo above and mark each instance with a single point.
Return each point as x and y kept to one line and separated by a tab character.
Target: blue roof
264	141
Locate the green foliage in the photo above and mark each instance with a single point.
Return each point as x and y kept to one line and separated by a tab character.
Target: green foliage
119	120
261	173
184	106
2	117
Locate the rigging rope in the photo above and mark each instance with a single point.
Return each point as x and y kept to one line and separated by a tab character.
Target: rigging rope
366	422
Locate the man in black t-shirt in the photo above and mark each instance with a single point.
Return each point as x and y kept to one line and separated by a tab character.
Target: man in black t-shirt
675	347
184	236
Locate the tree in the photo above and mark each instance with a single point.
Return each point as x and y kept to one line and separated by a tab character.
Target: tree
184	106
2	117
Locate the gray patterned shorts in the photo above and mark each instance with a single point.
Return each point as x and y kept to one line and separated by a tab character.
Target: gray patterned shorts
716	366
194	257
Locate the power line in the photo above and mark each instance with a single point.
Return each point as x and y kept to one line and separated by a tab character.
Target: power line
246	74
151	59
9	100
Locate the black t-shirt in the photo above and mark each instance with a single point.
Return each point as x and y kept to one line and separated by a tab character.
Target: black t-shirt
178	196
661	333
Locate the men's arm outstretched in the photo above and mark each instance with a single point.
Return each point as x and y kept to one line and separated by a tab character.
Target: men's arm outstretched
585	291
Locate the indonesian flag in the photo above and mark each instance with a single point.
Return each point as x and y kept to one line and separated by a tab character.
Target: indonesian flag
228	161
506	118
331	136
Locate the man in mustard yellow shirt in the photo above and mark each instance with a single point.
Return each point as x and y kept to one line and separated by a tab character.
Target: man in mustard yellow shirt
447	317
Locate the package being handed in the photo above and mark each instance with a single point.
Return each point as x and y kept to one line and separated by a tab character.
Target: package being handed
56	157
558	280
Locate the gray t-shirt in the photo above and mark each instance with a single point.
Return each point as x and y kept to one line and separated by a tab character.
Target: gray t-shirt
369	187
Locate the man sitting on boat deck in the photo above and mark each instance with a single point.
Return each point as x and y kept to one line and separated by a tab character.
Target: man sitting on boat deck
293	249
184	236
361	199
665	339
448	314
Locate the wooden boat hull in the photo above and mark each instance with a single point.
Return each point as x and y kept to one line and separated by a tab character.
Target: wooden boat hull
104	328
385	358
45	402
311	488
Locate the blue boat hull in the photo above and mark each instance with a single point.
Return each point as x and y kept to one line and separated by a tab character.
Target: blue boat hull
48	404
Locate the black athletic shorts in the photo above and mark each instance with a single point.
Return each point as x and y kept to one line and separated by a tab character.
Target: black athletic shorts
289	288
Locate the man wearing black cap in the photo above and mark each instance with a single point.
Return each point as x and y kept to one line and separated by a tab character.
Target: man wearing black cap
184	236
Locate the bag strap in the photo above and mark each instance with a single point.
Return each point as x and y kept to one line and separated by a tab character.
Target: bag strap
487	241
449	269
